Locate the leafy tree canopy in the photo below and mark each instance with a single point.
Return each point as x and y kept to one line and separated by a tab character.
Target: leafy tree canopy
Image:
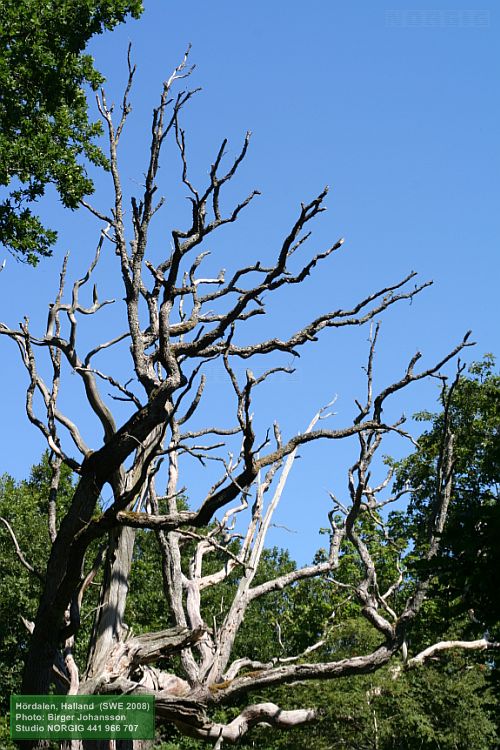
44	124
468	565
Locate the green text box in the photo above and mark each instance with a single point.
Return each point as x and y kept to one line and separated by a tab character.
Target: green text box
82	717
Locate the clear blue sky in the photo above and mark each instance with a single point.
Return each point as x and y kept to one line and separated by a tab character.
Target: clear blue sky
396	109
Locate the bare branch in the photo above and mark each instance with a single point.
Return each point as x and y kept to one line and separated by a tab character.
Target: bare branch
267	713
179	317
19	553
482	644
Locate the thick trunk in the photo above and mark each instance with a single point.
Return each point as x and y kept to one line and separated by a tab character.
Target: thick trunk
62	579
109	622
68	551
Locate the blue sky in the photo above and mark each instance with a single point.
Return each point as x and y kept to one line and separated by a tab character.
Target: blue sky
396	109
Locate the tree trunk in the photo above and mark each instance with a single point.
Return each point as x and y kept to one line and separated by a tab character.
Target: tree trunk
62	578
109	624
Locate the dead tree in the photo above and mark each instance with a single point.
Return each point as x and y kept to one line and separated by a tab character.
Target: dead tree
177	320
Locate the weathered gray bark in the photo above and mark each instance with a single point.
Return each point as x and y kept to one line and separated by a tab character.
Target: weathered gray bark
109	625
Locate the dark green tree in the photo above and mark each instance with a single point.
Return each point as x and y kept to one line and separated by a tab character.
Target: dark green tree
467	569
23	510
45	132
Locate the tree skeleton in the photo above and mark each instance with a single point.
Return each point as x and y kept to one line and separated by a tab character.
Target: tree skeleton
193	320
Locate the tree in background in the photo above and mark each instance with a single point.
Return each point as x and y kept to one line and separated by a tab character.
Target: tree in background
23	525
44	128
466	572
200	665
447	705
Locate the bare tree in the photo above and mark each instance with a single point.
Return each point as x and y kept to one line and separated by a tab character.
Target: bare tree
177	321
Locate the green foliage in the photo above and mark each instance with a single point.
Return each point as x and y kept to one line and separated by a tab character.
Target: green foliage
448	705
444	707
146	608
467	570
24	506
44	125
5	742
269	628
